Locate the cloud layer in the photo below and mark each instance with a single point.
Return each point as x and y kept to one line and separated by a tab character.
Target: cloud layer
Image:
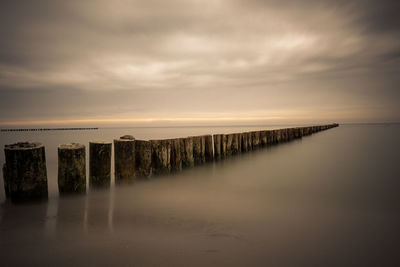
261	60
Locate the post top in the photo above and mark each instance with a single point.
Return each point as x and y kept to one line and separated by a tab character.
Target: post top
100	142
71	146
23	146
127	137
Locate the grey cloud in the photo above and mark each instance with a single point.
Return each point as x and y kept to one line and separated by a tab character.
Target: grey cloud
170	57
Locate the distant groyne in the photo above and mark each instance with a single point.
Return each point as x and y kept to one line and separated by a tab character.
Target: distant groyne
46	129
25	173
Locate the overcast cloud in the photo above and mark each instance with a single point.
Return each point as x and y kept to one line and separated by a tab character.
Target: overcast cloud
192	61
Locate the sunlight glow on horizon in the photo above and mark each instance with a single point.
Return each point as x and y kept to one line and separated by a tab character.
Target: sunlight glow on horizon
139	120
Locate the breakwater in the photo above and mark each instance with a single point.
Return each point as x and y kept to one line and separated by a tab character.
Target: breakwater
46	129
133	159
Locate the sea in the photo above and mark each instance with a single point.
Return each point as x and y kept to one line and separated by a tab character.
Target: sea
329	199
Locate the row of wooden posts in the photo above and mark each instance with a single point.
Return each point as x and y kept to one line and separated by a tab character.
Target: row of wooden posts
47	129
25	174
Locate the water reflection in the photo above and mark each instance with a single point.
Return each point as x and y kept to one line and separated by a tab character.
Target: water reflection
326	200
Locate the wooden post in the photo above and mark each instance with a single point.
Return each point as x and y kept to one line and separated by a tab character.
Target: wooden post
269	137
124	159
161	157
274	136
217	146
176	159
235	144
263	138
229	141
239	137
209	153
244	142
249	141
255	136
301	131
142	159
71	168
186	145
199	150
100	163
295	135
224	146
24	172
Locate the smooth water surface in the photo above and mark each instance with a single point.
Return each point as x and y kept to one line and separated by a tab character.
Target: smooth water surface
330	199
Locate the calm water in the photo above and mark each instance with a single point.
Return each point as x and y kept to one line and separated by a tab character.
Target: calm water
330	199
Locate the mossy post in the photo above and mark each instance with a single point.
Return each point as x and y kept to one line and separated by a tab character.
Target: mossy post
71	168
160	157
124	159
24	172
186	145
100	163
176	159
142	159
209	153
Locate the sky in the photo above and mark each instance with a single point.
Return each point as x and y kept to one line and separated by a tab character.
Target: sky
196	62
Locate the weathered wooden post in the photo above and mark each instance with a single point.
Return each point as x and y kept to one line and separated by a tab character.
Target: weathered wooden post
239	137
186	145
249	141
244	142
176	159
267	137
263	138
229	140
161	157
289	133
100	163
209	153
300	131
255	136
24	172
71	168
224	146
284	135
274	136
199	150
295	133
235	144
217	146
124	159
142	159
